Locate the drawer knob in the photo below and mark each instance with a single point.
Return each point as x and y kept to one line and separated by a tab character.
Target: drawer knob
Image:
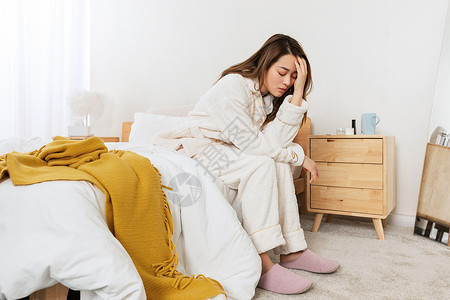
330	140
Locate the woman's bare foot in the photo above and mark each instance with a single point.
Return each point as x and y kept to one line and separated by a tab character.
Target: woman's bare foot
267	263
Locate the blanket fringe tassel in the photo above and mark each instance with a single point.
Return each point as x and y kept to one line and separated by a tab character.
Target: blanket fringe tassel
168	267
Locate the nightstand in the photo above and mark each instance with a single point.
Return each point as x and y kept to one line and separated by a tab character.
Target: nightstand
356	177
107	139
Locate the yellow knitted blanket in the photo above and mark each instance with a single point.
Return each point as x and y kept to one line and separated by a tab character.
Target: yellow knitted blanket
136	207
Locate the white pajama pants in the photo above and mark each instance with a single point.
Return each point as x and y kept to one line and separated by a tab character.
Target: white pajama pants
266	203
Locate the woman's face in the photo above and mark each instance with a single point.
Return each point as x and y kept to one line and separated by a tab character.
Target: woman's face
280	76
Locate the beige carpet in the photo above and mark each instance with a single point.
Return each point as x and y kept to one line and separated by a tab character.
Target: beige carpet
404	266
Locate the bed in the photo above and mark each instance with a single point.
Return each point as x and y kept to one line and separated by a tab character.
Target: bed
55	232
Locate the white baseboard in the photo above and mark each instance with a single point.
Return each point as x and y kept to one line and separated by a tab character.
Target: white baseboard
402	220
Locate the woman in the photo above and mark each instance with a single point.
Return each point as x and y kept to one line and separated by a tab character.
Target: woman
241	130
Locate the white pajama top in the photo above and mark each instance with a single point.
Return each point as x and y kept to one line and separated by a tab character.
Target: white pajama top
232	112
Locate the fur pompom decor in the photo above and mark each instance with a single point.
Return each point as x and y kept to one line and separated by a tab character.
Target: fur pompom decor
83	104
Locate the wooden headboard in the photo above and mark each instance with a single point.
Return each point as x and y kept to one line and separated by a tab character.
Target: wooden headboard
301	138
126	129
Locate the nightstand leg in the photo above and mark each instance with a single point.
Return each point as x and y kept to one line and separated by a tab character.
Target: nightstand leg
317	220
378	228
384	222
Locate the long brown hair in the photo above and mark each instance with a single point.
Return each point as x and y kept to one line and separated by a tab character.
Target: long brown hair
256	66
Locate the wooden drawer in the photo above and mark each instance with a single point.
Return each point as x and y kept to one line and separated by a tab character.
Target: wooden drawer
347	199
350	175
347	150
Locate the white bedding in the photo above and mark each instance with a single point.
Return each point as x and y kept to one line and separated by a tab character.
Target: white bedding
56	232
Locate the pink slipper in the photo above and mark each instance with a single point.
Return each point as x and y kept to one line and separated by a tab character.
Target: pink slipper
312	262
283	281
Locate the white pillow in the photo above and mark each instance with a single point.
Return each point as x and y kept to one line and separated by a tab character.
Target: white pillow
147	126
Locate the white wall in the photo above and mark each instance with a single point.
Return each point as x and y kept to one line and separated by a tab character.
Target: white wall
441	106
367	56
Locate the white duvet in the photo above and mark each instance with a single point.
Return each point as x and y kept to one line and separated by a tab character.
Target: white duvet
56	232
